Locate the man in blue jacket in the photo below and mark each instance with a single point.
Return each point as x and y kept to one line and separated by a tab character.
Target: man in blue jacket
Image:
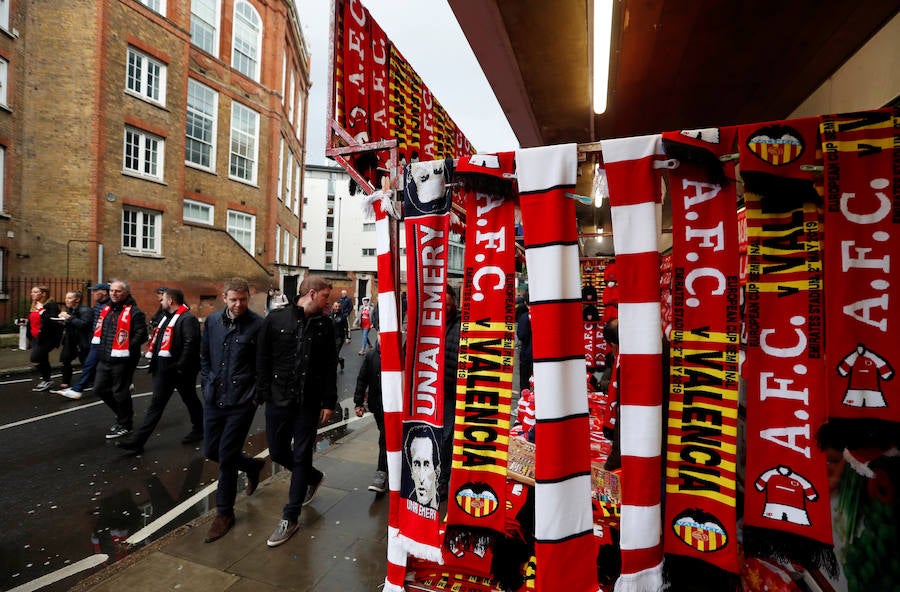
228	380
297	379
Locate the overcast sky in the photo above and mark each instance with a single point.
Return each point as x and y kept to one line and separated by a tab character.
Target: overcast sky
428	36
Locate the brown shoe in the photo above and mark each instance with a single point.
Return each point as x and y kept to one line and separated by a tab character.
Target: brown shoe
253	476
218	528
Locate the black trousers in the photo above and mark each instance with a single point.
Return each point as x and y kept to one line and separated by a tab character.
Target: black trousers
165	382
282	425
225	433
113	385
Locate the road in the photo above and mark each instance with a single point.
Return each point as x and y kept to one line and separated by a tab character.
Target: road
70	496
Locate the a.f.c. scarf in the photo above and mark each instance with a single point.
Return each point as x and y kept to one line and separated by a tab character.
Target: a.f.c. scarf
427	222
486	348
701	450
862	173
565	547
786	512
634	205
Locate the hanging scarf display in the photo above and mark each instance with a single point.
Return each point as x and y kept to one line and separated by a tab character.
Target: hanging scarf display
167	327
862	174
486	349
701	447
123	331
427	222
565	547
634	205
356	55
379	128
786	512
379	204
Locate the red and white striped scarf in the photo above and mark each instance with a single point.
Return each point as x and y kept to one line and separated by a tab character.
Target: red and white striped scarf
123	331
634	202
167	326
391	374
565	545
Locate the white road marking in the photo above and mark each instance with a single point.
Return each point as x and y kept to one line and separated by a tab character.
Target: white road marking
61	574
62	412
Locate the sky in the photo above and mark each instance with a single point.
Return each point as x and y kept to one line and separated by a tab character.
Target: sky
432	42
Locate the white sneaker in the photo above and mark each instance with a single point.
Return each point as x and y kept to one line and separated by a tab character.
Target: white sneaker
43	385
70	394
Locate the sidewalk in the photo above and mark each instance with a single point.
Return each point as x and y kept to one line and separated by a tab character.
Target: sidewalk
14	361
341	545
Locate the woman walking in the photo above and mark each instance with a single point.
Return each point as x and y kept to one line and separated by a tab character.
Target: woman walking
44	331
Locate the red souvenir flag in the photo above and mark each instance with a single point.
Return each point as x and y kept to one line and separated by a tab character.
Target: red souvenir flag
357	47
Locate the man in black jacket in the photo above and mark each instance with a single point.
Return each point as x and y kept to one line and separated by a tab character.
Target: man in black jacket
369	380
174	354
89	368
228	380
76	340
297	378
119	334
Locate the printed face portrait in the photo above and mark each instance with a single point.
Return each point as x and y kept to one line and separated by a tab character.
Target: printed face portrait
423	470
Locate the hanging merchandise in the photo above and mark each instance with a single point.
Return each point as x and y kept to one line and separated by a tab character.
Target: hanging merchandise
862	152
633	191
427	222
486	349
701	450
786	511
565	546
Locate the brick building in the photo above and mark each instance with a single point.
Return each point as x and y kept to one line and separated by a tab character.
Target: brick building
157	140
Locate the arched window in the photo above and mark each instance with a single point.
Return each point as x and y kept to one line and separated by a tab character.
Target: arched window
247	40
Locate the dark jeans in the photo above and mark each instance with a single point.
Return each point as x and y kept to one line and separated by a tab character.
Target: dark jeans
382	447
282	425
88	370
40	357
225	431
165	381
113	386
66	362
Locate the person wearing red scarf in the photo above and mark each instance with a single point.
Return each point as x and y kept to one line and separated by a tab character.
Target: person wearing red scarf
43	333
174	355
119	334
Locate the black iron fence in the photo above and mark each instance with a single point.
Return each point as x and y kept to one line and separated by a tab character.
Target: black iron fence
15	296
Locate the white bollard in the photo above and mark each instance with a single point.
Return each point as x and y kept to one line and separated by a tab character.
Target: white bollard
23	341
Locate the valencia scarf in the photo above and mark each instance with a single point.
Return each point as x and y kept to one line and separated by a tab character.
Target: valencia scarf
486	348
427	222
862	180
565	547
123	331
634	202
386	218
701	450
787	511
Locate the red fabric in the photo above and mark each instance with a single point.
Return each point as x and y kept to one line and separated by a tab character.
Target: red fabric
365	317
123	330
862	239
357	47
784	370
34	322
427	135
165	348
558	339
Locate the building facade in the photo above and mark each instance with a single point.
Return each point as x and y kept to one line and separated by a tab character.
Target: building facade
153	140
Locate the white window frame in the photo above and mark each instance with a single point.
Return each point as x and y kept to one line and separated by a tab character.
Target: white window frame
4	15
247	143
368	252
2	179
4	78
148	227
287	246
278	243
297	190
294	243
209	209
280	195
215	25
291	99
140	86
158	6
244	49
148	146
368	227
238	233
289	181
194	111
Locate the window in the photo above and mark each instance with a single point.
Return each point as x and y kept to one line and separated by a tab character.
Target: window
143	153
4	78
294	244
277	243
205	25
368	252
4	14
243	228
287	246
140	231
368	227
280	195
146	77
244	135
291	99
247	40
297	190
155	5
2	264
200	137
197	211
2	179
289	180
